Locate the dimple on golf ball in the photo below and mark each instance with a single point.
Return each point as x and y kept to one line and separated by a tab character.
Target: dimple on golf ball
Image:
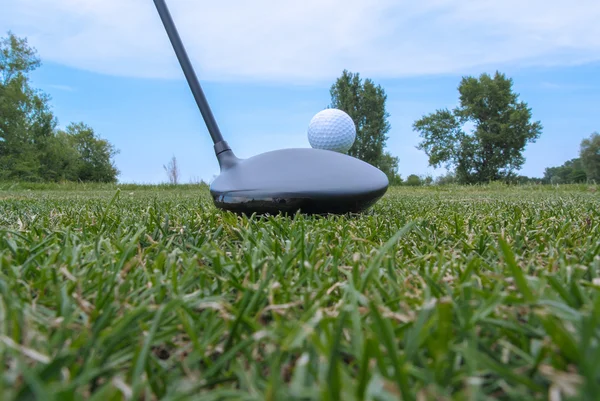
332	129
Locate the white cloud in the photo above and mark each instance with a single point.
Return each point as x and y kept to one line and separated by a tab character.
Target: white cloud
304	41
65	88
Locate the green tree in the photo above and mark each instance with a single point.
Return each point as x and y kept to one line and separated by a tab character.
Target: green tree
16	58
31	148
570	172
389	165
493	148
365	104
414	180
446	179
60	159
94	161
590	156
523	179
26	121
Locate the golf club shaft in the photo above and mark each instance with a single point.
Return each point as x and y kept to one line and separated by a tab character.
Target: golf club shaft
188	70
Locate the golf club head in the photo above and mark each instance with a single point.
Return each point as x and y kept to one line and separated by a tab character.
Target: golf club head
312	181
309	180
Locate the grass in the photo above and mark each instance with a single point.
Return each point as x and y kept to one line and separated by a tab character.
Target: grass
148	293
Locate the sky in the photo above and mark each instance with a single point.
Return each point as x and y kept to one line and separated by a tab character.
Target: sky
266	67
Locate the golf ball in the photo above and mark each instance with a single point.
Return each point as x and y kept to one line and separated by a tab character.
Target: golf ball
332	129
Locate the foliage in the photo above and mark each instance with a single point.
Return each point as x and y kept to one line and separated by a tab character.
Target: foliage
31	146
151	293
17	58
95	154
501	129
26	122
571	172
365	104
413	180
590	156
389	165
446	179
523	179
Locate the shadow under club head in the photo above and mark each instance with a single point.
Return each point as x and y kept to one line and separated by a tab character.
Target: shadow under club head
312	181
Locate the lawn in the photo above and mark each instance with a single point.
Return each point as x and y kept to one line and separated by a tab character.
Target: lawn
150	293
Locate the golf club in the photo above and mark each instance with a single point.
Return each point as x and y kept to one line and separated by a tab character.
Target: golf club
312	181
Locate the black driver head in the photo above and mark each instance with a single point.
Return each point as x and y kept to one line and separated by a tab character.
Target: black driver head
308	180
311	181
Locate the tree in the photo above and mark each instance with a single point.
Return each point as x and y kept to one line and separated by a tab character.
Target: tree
31	147
94	155
60	159
365	104
172	170
413	180
16	58
590	157
446	179
26	121
389	165
523	180
493	149
571	172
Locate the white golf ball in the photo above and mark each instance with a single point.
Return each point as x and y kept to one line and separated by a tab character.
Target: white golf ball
332	129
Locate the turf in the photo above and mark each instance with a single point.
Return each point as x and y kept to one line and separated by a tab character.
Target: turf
148	293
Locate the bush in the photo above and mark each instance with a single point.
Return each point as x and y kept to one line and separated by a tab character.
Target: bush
413	180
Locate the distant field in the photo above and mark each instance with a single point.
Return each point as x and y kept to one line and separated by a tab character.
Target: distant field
148	293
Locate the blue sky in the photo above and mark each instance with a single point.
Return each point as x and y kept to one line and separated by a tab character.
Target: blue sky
266	68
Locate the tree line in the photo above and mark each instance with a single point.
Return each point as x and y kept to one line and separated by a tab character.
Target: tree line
32	147
500	126
585	168
480	141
